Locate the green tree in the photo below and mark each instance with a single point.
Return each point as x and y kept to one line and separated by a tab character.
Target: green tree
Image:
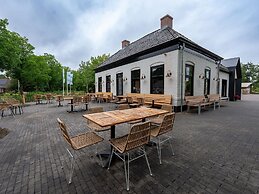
84	78
250	73
35	75
14	51
55	73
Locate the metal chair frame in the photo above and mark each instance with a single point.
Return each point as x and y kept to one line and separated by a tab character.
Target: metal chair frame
126	154
72	145
164	129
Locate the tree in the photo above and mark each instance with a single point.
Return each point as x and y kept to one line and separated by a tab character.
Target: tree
84	78
250	73
14	51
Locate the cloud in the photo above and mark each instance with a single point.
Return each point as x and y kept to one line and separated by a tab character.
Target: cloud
76	30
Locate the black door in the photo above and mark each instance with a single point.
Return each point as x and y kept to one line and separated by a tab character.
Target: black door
224	88
119	84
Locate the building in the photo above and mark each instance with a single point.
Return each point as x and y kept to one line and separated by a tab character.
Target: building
246	88
4	84
235	77
163	62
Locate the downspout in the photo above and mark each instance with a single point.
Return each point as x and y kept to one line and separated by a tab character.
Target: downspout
181	72
218	80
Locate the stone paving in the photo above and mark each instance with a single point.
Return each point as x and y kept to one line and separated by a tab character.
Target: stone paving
215	152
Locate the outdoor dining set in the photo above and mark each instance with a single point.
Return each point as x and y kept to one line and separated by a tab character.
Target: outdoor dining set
146	124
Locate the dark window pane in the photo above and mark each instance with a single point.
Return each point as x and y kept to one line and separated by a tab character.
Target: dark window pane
207	82
108	83
100	84
119	84
135	81
157	80
189	80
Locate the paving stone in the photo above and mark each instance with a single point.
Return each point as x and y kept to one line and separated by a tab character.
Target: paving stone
216	151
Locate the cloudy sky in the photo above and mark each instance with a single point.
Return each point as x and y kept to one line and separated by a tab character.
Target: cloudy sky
75	30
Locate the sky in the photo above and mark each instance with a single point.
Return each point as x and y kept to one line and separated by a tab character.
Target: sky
75	30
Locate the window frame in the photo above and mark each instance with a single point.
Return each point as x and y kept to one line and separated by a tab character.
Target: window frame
191	79
133	80
158	77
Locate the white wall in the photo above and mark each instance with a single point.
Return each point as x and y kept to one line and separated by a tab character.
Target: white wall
170	61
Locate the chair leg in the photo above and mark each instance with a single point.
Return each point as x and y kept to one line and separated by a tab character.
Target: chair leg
159	150
99	156
126	168
170	142
110	158
72	167
147	162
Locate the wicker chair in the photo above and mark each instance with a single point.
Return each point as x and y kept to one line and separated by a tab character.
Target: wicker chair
77	143
91	125
158	120
160	133
122	146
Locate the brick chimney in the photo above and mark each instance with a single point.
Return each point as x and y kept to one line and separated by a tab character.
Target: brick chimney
125	43
166	21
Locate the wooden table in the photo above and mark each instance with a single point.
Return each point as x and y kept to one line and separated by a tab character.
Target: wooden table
71	98
112	118
59	99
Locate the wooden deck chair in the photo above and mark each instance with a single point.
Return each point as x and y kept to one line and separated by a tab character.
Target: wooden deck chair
78	142
123	146
160	133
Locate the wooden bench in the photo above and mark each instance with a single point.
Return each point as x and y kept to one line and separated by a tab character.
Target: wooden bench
196	101
215	100
107	96
152	99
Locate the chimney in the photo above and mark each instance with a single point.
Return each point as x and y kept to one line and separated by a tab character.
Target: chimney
125	43
166	21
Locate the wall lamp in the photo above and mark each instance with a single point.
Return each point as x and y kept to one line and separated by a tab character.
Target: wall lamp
169	73
216	79
125	79
143	76
201	76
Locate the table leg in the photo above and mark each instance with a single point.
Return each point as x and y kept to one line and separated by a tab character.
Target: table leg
109	155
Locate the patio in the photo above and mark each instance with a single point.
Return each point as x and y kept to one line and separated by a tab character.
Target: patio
215	152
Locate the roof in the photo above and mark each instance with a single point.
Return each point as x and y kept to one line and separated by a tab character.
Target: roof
246	85
223	68
232	62
154	41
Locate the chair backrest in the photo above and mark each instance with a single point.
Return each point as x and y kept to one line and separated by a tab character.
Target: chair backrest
167	107
139	135
96	109
130	99
123	106
167	123
65	134
140	101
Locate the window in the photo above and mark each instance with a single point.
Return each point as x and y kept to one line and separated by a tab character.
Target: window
108	83
99	84
189	71
207	82
119	84
157	80
135	81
